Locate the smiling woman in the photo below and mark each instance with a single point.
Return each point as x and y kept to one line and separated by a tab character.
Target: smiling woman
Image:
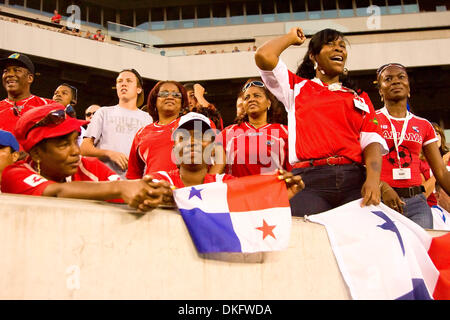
406	135
333	132
151	150
258	143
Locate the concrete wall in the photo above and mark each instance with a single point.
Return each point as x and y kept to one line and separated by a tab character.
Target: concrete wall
77	249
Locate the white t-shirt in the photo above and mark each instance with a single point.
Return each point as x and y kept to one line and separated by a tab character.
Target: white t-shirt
114	128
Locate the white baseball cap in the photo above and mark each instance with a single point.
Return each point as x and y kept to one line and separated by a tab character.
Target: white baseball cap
188	120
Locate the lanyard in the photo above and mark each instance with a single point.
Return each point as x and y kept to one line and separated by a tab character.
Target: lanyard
398	142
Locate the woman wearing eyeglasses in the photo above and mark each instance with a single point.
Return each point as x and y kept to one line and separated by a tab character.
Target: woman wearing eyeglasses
406	135
55	167
335	143
257	143
152	145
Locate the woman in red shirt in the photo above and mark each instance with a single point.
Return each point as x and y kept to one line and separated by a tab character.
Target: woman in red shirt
194	137
334	140
55	167
258	143
151	150
152	146
406	135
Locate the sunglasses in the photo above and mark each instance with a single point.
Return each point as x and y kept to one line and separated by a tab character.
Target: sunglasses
17	110
165	94
70	111
253	83
88	114
55	117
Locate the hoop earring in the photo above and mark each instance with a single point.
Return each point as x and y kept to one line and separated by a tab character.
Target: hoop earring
315	65
345	73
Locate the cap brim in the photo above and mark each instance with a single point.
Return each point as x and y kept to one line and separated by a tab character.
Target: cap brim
41	133
5	61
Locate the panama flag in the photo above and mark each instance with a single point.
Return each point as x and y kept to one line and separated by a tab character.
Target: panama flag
247	214
384	255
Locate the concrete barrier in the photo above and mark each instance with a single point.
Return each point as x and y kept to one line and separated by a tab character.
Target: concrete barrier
77	249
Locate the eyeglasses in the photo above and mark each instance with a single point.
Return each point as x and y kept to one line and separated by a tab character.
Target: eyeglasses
253	83
88	114
165	94
55	117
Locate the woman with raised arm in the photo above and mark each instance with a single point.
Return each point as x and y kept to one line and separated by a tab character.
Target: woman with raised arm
335	142
406	135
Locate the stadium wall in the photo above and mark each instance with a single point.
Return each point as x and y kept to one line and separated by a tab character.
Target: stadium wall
79	249
429	51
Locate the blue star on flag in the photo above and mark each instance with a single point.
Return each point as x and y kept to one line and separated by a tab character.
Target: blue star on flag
195	193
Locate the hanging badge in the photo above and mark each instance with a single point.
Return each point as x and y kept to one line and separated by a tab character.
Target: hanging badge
360	104
401	173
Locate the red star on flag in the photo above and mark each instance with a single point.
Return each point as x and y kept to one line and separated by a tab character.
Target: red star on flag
267	230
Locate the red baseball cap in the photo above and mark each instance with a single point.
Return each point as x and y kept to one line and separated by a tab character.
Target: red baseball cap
47	121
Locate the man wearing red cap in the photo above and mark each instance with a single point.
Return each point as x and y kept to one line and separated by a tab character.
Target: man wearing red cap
17	77
55	167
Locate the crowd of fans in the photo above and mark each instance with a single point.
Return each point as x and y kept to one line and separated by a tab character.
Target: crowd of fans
58	27
56	19
313	129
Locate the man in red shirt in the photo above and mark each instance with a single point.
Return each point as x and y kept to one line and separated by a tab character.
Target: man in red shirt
56	17
17	77
55	167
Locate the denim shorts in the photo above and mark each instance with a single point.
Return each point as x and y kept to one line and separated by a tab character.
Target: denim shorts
418	210
327	187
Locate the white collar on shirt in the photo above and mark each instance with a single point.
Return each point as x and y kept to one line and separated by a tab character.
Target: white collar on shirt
332	87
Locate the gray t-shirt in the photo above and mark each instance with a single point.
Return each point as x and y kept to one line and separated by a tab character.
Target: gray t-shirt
114	128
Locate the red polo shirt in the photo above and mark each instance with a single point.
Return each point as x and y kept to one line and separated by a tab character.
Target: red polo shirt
9	117
323	121
151	150
21	178
253	150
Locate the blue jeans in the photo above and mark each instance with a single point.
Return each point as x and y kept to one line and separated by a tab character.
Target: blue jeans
327	187
418	210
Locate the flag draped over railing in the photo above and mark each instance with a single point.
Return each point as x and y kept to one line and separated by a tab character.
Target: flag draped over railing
248	214
384	255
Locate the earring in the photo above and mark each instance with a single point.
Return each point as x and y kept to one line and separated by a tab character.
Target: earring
345	73
315	65
381	98
38	166
409	95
